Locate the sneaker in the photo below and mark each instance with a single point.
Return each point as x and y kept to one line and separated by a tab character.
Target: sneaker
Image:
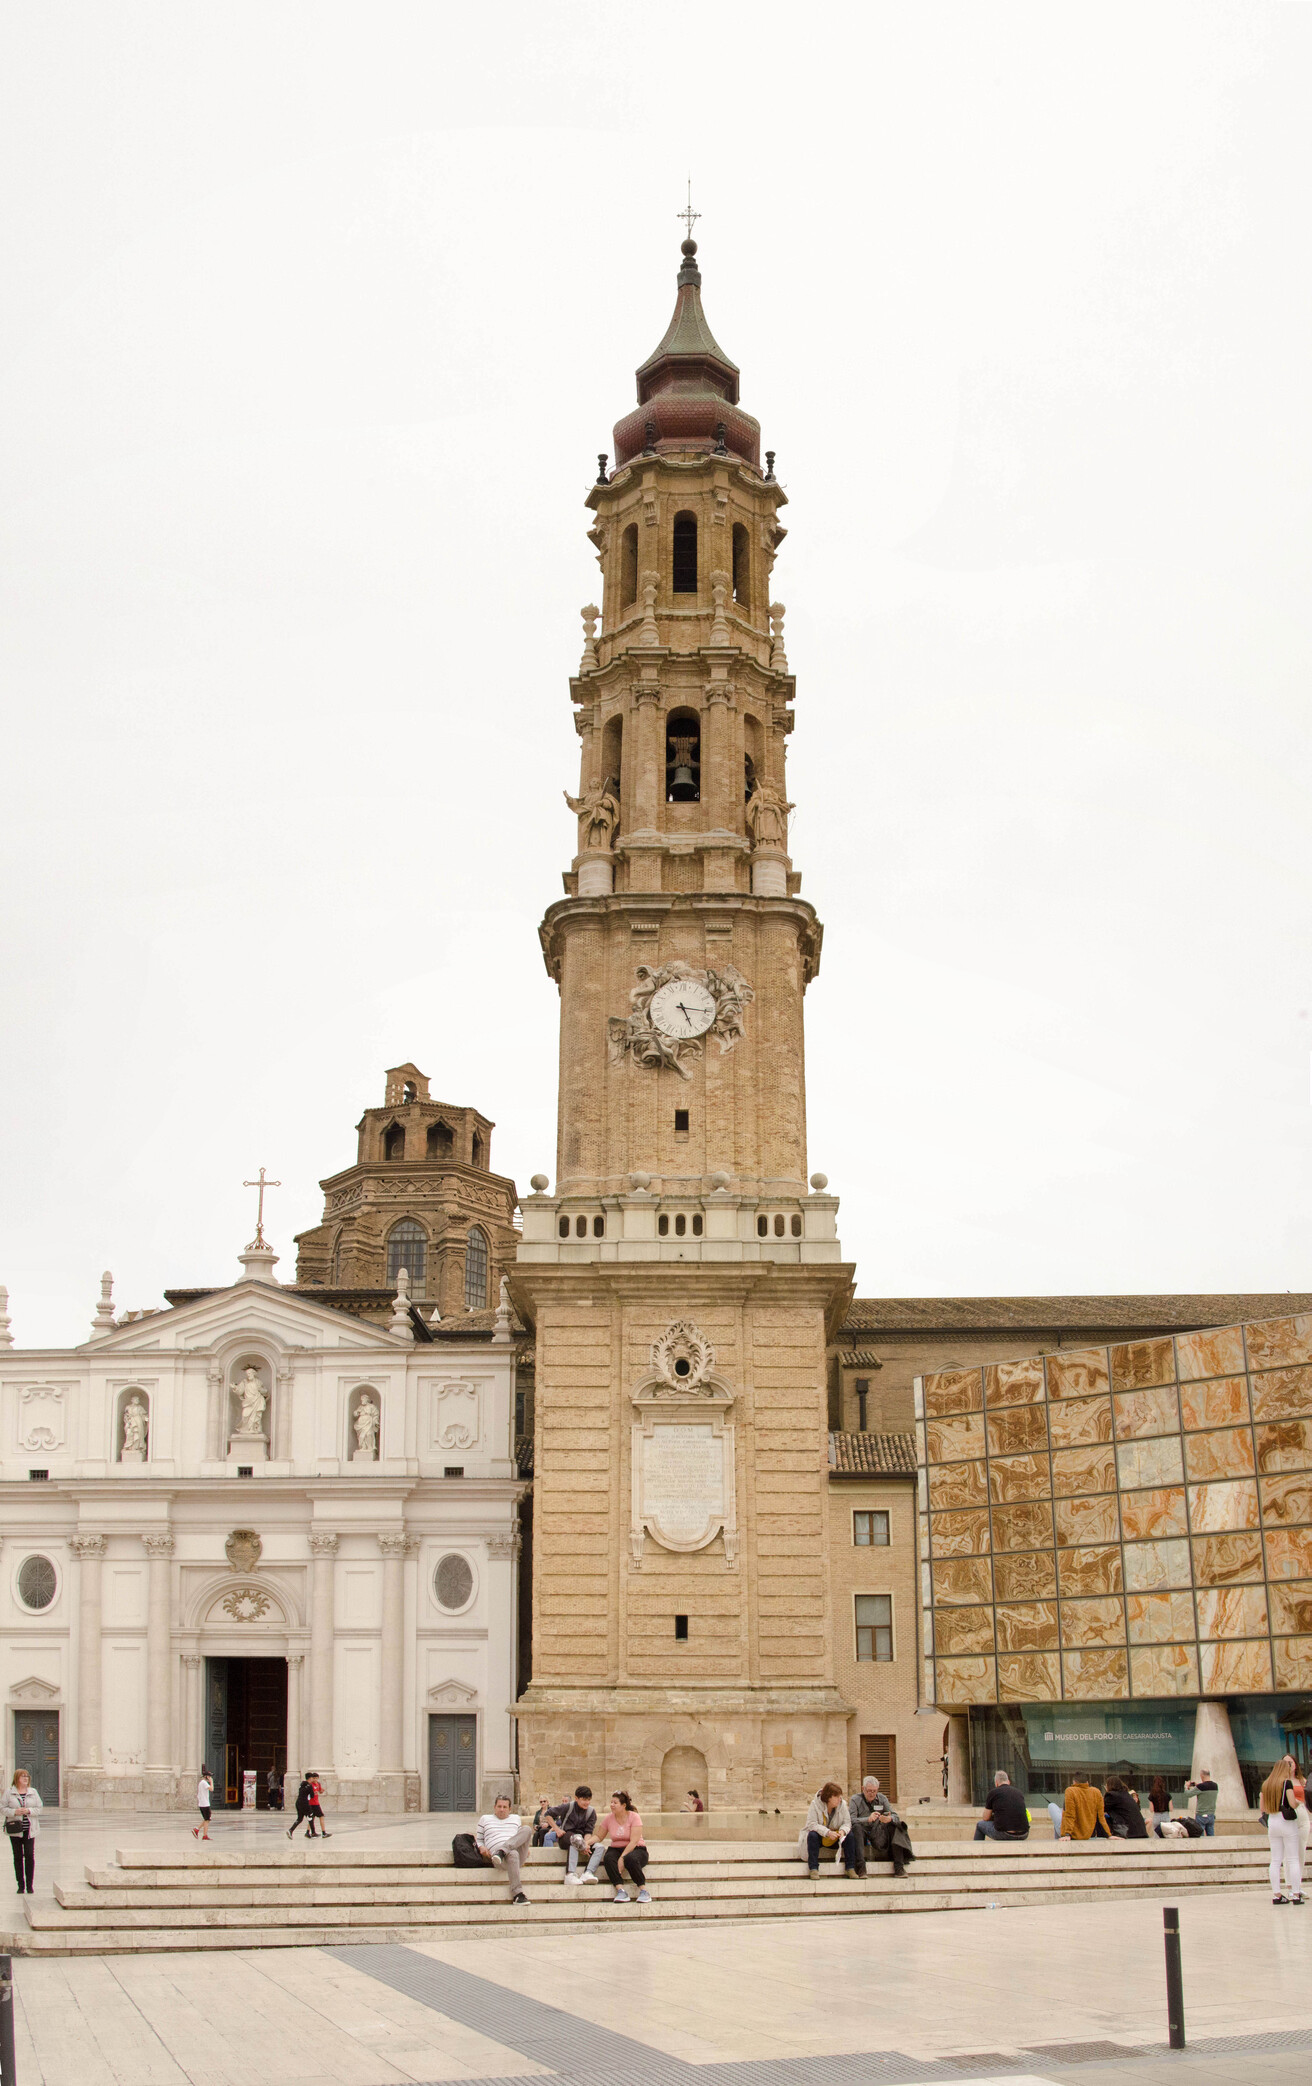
621	1897
588	1877
574	1877
644	1897
1279	1901
1298	1900
519	1898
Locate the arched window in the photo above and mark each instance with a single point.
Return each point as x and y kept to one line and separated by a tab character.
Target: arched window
407	1247
629	566
612	754
476	1270
409	1090
441	1140
742	565
683	758
683	571
394	1142
478	1151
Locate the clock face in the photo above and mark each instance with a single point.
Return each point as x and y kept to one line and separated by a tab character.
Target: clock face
682	1008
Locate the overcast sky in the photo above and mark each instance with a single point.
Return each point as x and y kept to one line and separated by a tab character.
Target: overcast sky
314	320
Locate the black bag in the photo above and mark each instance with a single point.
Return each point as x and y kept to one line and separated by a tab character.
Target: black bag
18	1825
465	1849
1287	1810
1120	1828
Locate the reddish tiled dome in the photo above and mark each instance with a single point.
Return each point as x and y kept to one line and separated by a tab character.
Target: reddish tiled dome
688	389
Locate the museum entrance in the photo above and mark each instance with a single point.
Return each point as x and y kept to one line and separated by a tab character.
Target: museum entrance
245	1726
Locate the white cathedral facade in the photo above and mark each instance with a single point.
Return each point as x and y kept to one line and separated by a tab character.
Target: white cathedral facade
258	1532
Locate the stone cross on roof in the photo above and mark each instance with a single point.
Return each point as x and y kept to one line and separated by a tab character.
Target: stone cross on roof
688	214
261	1184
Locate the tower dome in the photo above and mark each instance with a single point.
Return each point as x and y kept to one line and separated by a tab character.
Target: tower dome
688	388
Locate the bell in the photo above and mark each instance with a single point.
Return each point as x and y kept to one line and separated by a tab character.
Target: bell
682	785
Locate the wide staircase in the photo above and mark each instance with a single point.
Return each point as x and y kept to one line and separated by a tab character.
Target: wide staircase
287	1897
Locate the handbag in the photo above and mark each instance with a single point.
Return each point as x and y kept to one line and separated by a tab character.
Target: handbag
18	1825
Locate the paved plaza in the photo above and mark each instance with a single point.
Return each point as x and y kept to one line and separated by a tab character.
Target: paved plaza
1044	1993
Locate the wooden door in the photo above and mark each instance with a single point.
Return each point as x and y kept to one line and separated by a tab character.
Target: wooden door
452	1764
879	1758
36	1747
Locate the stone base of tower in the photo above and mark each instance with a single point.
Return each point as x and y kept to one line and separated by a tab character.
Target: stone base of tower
755	1749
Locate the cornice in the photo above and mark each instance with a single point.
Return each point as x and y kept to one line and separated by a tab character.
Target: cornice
565	911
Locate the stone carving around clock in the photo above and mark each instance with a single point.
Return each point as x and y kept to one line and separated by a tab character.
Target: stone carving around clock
672	1007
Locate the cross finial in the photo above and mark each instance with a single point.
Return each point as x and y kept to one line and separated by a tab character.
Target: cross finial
688	214
261	1184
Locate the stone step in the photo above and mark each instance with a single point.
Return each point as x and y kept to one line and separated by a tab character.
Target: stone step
46	1938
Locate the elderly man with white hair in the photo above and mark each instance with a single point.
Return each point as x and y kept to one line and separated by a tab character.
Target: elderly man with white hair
879	1829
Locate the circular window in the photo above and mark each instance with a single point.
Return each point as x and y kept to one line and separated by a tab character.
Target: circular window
453	1581
36	1582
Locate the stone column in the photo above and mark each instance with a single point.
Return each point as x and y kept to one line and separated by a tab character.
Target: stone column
295	1667
193	1743
159	1628
958	1760
89	1550
394	1546
1214	1748
323	1548
498	1772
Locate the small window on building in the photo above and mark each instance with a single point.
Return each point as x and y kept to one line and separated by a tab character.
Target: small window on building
681	1122
680	1226
580	1227
795	1226
762	1227
408	1091
476	1270
441	1141
36	1583
684	562
599	1227
407	1247
869	1528
394	1142
696	1227
879	1758
862	1403
874	1626
629	566
663	1227
478	1151
779	1225
681	1629
742	564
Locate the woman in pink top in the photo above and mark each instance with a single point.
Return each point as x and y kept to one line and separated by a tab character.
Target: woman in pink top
621	1828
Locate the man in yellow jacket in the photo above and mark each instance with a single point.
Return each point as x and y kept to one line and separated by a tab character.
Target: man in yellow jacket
1081	1816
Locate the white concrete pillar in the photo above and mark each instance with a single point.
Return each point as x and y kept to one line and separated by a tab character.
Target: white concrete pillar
394	1546
323	1549
159	1630
1214	1750
193	1744
497	1766
89	1550
295	1668
958	1760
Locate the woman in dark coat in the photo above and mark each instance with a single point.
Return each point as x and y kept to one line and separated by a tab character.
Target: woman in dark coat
1122	1812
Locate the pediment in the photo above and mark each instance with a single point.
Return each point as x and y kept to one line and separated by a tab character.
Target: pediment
37	1693
248	1308
452	1694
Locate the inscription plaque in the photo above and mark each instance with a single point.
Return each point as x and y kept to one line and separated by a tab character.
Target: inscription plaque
683	1484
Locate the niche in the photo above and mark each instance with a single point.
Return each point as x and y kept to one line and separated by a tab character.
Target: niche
742	565
682	1769
366	1425
629	566
394	1142
683	564
132	1426
612	756
683	758
441	1140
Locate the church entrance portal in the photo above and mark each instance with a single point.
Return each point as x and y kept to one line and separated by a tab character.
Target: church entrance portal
245	1726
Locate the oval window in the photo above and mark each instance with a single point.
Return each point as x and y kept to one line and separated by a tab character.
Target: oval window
36	1582
453	1581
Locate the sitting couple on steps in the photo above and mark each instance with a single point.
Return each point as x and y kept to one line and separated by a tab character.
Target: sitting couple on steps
500	1838
868	1826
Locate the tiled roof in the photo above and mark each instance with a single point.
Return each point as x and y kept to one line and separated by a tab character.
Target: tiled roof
871	1316
524	1455
872	1455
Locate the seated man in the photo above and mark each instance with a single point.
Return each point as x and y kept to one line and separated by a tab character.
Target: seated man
1005	1816
576	1826
500	1838
879	1830
1081	1815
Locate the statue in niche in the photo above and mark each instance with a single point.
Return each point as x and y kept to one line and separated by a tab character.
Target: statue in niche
365	1424
254	1398
136	1425
598	812
767	815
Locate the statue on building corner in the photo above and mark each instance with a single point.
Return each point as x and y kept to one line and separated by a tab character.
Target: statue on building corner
598	812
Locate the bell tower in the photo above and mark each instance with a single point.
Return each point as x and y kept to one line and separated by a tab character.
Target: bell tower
683	1274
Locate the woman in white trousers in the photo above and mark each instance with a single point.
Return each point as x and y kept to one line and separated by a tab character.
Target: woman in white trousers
1282	1793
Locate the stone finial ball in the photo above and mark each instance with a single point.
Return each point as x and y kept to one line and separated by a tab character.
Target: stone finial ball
819	1181
539	1183
721	1180
639	1182
690	247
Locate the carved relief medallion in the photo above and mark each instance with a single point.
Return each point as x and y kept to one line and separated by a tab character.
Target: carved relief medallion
665	1027
243	1549
247	1604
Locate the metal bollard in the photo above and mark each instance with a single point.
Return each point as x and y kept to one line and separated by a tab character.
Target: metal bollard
1174	1977
8	2074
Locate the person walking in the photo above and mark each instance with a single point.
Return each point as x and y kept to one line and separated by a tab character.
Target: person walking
625	1849
302	1810
22	1803
1282	1793
316	1808
204	1804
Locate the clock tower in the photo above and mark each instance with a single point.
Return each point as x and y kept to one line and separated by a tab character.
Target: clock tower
684	1274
